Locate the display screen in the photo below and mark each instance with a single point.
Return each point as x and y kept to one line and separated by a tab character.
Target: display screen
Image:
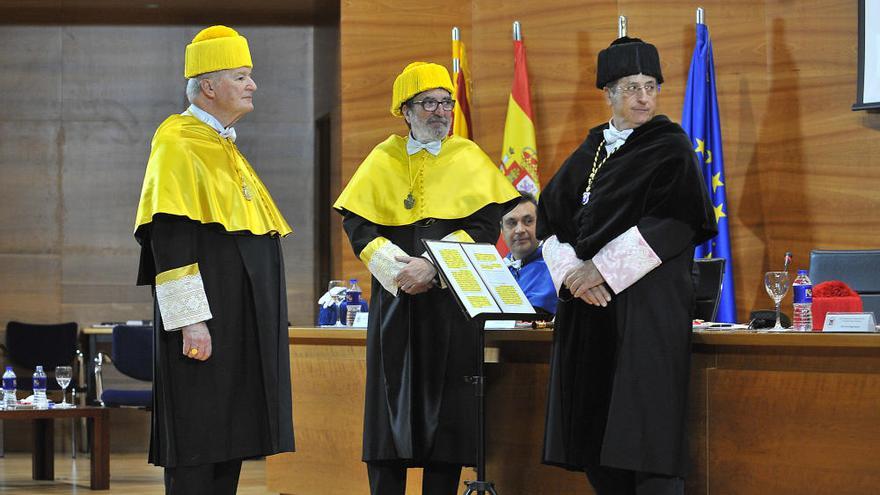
868	95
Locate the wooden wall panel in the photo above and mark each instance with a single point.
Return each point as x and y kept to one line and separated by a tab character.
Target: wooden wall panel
799	163
753	429
517	391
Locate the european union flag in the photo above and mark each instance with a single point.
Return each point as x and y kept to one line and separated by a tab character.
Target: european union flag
701	122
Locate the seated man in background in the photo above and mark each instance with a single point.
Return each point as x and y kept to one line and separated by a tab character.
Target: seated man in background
525	260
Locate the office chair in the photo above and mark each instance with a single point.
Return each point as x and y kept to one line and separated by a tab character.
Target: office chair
859	269
708	275
132	355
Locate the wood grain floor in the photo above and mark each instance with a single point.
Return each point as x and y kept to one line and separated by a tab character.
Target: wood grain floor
129	475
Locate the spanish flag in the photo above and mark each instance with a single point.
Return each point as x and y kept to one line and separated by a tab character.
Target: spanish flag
461	85
519	154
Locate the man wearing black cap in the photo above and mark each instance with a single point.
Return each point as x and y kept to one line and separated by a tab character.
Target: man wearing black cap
621	218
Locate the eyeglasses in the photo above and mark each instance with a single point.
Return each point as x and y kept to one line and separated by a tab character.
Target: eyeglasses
651	89
430	104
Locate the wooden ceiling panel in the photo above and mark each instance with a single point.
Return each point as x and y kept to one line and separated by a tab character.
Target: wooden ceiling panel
279	12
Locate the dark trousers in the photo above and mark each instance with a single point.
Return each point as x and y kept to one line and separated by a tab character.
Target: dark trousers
205	479
612	481
389	478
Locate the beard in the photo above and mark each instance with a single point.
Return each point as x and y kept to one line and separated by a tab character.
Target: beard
434	128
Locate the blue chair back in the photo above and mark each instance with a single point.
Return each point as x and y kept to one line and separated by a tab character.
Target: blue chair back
133	351
859	269
30	344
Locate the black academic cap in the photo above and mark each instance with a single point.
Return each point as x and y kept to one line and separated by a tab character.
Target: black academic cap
626	57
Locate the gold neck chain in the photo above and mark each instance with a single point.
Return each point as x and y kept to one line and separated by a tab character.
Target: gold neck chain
410	202
596	166
245	188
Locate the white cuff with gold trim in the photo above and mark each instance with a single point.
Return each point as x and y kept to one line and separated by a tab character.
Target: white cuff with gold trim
181	296
625	260
379	255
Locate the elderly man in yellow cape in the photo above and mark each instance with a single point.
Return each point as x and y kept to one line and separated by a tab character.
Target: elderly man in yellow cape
419	410
209	235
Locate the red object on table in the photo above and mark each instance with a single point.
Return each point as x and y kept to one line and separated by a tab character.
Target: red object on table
833	296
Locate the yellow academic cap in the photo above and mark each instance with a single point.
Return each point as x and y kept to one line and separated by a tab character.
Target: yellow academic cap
415	78
216	48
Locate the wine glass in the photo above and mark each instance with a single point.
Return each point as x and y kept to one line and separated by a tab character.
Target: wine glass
338	296
62	376
777	284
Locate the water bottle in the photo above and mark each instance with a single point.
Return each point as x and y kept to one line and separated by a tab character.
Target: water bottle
9	400
40	400
352	301
802	320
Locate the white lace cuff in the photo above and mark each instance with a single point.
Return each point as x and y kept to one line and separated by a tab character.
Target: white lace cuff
181	296
625	260
379	255
560	258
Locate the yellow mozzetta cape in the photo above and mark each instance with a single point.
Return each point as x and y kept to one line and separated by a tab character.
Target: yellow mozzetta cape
455	184
195	173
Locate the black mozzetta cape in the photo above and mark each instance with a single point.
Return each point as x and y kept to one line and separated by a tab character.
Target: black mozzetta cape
619	374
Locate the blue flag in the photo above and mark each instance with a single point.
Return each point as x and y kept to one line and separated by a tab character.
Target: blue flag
702	123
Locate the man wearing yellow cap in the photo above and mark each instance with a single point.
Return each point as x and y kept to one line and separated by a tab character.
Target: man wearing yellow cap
209	234
419	410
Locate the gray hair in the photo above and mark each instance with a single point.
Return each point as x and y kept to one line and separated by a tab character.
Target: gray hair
193	88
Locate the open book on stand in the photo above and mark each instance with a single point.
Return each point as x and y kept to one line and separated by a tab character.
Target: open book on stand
481	282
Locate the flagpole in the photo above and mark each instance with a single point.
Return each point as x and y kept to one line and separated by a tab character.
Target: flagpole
456	36
621	26
700	15
517	31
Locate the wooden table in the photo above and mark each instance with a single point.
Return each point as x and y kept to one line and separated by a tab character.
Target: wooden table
780	413
44	448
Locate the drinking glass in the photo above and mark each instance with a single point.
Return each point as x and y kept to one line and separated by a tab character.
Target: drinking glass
62	376
777	284
337	297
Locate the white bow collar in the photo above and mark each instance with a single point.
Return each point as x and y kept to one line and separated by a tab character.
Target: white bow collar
413	146
614	138
225	132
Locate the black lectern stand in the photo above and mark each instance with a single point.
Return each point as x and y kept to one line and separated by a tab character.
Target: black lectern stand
486	265
481	485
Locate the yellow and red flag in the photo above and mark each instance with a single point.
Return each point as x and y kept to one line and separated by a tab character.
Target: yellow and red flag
519	152
461	85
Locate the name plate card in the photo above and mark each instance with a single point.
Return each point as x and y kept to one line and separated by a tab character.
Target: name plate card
360	319
850	322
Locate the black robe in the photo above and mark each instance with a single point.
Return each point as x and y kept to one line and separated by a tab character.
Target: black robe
237	404
619	374
418	407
